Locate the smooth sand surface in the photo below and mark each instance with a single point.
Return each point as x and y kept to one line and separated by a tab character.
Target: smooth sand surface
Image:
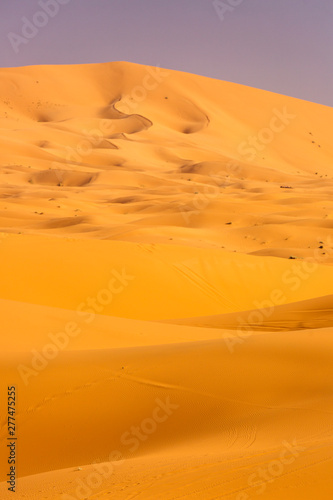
166	286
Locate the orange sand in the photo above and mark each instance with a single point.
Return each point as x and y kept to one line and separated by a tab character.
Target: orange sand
162	342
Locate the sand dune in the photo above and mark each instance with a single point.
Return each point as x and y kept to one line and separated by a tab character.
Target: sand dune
166	295
303	315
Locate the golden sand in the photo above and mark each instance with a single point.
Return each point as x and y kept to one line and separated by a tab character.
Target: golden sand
166	286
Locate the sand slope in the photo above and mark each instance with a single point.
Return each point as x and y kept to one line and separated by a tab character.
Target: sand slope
166	286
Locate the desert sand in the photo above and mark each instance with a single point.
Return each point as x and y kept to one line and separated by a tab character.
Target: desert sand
166	286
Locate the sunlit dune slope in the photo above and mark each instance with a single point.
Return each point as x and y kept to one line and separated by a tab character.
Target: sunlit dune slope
143	281
227	413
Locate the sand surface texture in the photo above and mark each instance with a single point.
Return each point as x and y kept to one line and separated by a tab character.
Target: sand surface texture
166	287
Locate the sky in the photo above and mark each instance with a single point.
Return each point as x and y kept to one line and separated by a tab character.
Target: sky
283	46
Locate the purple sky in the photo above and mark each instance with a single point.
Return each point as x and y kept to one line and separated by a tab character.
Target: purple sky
285	46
